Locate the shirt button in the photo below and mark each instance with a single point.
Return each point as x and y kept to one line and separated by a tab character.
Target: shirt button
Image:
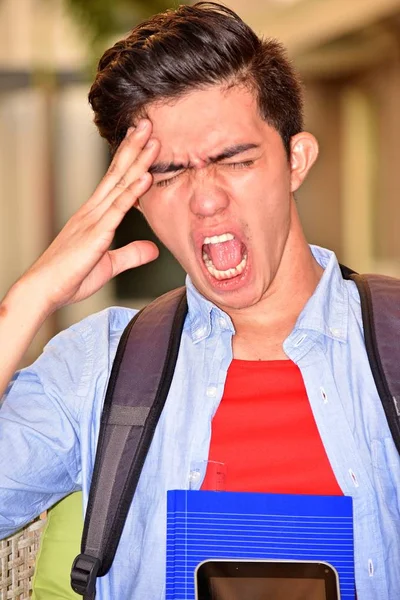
199	332
300	340
223	322
335	331
194	476
211	391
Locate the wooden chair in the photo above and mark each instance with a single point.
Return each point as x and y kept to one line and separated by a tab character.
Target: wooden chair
17	561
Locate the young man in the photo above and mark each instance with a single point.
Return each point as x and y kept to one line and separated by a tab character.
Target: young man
206	121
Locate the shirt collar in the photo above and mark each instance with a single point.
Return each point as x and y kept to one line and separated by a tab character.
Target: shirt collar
326	312
204	316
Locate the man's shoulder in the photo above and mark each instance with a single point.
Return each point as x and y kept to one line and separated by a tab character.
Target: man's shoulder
376	286
74	360
112	320
104	327
77	353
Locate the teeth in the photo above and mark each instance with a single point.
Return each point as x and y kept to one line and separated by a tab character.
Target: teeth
229	273
218	239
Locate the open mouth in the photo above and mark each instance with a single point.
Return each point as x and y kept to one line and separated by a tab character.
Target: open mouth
224	256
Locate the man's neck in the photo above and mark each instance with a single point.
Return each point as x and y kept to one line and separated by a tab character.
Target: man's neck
262	328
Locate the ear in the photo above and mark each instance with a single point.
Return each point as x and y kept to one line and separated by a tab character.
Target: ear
303	154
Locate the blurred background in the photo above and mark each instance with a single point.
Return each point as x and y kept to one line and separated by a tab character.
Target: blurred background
51	157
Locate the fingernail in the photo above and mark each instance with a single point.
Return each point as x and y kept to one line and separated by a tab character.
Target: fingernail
129	131
141	125
150	144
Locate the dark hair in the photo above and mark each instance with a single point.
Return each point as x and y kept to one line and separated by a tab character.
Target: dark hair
190	48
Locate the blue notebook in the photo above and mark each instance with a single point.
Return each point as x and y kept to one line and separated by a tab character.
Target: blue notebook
202	525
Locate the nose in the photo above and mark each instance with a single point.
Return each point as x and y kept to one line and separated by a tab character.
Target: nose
208	197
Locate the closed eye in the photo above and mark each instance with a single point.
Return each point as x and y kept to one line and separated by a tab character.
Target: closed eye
235	165
241	165
166	182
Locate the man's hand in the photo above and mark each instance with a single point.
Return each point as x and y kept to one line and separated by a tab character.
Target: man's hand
79	261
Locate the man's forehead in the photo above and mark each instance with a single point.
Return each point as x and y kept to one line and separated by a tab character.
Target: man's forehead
203	124
208	117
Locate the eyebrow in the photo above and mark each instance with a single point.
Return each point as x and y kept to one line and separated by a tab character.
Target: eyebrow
229	152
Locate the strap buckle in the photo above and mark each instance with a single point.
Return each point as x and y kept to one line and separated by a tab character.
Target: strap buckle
84	574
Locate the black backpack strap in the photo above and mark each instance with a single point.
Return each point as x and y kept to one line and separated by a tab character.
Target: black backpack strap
137	390
380	306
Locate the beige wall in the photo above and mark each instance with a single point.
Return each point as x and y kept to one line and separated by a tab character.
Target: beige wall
383	87
51	157
40	34
319	197
350	201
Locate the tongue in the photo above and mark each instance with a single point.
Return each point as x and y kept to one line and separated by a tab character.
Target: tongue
226	255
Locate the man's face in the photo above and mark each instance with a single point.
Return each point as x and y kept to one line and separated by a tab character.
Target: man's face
221	195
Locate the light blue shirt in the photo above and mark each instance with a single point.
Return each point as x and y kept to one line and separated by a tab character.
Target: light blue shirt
49	425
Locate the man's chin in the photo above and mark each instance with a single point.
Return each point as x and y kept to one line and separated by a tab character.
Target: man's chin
228	295
237	302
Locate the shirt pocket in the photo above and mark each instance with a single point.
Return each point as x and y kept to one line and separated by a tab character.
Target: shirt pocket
386	463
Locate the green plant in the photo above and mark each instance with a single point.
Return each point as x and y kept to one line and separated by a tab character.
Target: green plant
104	19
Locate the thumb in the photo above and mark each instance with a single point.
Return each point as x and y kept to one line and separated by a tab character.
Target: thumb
132	255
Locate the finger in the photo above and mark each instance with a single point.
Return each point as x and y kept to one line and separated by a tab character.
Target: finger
128	151
140	165
111	218
131	145
132	255
138	169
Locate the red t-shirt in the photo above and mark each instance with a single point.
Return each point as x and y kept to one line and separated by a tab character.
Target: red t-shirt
265	433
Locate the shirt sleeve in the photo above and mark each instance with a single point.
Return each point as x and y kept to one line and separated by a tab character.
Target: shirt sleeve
39	431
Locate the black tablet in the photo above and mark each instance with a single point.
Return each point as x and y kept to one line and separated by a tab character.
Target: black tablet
266	580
